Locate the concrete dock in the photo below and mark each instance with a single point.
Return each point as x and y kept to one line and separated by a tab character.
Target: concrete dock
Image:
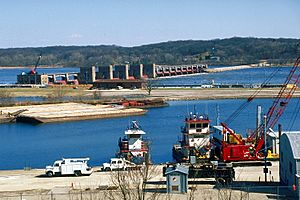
70	112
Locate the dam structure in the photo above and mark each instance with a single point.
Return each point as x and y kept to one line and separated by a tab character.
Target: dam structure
132	76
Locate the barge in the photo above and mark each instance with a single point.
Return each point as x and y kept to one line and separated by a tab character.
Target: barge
62	112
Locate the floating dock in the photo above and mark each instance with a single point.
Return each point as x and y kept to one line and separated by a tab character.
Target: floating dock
70	112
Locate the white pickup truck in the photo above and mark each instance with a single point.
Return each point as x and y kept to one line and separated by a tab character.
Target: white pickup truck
118	164
69	166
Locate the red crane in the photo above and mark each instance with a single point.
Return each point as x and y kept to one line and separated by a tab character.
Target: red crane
250	148
33	71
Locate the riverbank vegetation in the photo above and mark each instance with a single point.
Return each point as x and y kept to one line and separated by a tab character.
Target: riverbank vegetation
232	51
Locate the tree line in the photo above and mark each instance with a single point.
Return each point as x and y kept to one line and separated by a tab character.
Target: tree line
232	51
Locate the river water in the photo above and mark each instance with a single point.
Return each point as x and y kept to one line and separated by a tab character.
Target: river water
24	145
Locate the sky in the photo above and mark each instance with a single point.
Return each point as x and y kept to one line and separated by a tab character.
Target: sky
40	23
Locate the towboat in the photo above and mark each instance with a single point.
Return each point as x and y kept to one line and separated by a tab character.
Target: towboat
133	146
195	141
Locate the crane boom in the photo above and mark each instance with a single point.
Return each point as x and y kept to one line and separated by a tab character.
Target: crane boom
280	103
37	62
285	94
252	148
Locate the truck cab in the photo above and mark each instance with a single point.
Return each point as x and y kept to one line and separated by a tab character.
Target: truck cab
118	164
69	166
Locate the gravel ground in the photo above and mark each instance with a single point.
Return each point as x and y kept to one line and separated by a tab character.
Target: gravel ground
32	184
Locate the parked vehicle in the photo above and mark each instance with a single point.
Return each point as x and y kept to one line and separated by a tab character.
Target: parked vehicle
69	166
118	164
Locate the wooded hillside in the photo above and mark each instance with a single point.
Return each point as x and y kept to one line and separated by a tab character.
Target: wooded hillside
233	51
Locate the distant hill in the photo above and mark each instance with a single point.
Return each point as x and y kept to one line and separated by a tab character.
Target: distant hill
232	51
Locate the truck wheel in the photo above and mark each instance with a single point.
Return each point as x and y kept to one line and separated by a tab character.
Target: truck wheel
228	181
49	174
221	181
77	173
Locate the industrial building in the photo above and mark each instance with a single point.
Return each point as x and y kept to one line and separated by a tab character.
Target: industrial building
41	79
290	160
46	79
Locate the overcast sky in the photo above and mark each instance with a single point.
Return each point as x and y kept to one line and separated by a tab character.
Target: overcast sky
34	23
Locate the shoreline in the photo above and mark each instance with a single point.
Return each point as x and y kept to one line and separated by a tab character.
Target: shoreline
167	94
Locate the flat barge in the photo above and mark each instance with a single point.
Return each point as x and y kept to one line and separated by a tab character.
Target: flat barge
62	112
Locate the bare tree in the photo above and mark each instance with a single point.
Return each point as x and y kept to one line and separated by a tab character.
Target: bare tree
58	93
228	194
97	94
149	86
132	184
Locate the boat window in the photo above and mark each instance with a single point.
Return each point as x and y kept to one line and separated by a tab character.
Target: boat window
205	125
135	136
198	125
192	125
198	136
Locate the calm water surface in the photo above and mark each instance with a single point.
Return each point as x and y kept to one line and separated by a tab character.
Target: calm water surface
36	146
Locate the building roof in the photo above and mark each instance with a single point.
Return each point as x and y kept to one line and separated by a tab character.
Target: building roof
276	133
294	139
219	128
177	168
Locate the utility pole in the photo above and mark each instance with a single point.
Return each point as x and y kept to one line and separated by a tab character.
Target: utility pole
265	149
258	117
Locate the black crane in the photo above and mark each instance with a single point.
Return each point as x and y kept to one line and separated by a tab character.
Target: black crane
33	71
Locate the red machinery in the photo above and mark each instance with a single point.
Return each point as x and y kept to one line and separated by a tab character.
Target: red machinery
235	148
33	71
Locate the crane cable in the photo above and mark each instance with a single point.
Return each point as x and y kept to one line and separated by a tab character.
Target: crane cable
237	112
294	116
